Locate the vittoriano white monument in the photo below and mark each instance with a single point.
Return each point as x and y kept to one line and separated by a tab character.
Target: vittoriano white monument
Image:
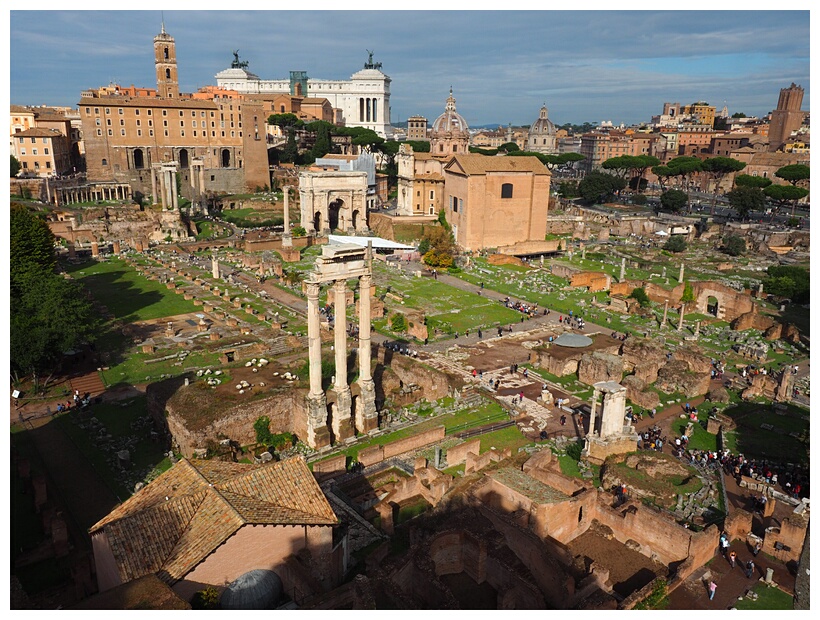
349	411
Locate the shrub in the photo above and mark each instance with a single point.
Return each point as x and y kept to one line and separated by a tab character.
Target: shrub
574	450
298	231
398	323
262	429
206	599
640	295
734	245
676	243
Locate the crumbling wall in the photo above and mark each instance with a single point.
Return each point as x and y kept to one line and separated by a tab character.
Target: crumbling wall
598	366
376	454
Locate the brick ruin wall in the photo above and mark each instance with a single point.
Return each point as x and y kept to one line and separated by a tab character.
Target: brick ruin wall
376	454
458	454
286	412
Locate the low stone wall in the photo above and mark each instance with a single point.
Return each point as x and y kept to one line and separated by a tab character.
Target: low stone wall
332	466
376	454
458	454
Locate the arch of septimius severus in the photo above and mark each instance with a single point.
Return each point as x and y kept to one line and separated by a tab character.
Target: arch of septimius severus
333	200
349	411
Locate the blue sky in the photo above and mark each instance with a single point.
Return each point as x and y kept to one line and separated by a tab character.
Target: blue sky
585	65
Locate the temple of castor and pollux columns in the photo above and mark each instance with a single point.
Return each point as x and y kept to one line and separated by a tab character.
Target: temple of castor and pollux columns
350	410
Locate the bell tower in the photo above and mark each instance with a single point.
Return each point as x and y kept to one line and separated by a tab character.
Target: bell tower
165	60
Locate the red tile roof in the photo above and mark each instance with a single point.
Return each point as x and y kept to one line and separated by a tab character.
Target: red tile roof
172	524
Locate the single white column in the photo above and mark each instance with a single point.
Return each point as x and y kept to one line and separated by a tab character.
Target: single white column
595	394
680	276
340	334
665	310
364	327
314	340
623	270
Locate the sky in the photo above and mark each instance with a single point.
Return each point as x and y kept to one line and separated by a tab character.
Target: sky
587	65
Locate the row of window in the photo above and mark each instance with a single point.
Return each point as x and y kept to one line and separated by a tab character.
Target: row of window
36	165
34	151
164	112
164	123
33	140
181	133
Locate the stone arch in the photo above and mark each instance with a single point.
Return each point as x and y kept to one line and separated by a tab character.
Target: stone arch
139	159
337	214
712	305
226	158
317	221
354	219
184	159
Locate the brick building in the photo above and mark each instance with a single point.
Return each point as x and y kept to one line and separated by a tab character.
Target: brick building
126	134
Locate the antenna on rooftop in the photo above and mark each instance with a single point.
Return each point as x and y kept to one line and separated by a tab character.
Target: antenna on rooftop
162	13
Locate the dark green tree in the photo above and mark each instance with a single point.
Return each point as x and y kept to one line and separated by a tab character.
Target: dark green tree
322	145
419	146
794	173
599	186
785	194
285	120
747	180
675	243
674	200
639	294
15	166
291	151
717	168
509	147
568	189
664	173
684	168
734	245
788	281
745	200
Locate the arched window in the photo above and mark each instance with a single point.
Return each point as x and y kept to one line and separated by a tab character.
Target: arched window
104	162
183	158
167	74
166	53
506	190
226	158
139	159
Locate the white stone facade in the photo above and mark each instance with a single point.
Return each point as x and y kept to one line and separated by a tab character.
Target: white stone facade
364	99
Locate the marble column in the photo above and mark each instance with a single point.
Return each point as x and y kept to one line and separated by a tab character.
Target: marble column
623	270
287	240
163	190
665	311
214	267
680	318
367	418
595	394
341	412
317	432
697	328
680	275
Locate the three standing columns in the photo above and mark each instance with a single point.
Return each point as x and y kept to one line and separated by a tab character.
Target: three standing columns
341	406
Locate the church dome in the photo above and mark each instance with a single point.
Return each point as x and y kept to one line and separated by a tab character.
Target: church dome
450	121
543	125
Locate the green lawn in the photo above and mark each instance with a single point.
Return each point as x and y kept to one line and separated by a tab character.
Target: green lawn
128	295
768	598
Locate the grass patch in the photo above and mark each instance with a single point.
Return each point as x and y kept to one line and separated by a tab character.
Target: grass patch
769	597
126	294
501	439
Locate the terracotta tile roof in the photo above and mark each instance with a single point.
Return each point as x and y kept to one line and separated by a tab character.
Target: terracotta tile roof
482	164
172	524
37	132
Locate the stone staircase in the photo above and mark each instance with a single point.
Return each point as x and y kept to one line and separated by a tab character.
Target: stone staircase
470	399
88	383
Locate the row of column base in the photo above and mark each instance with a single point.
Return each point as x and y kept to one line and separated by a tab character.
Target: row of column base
343	424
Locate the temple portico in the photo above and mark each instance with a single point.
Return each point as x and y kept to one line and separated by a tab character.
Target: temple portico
349	411
609	434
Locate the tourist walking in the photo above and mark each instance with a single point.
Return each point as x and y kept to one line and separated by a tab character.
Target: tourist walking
732	558
750	568
712	589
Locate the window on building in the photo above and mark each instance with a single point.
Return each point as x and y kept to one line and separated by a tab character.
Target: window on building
165	123
119	111
165	112
506	190
45	151
167	74
148	112
22	152
96	110
25	165
108	122
150	132
194	133
139	132
34	140
104	161
48	165
166	133
122	122
108	111
110	132
33	151
180	113
99	132
122	132
432	194
182	123
136	112
88	110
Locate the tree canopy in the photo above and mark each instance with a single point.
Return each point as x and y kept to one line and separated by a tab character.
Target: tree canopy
14	168
719	167
49	313
793	173
599	186
784	194
734	245
675	243
674	200
787	281
747	180
746	199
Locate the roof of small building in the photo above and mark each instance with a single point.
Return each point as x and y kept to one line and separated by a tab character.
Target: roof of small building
177	520
482	164
37	132
575	341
